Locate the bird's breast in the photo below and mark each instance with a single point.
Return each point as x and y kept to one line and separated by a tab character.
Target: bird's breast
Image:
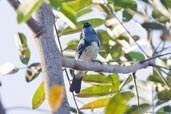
90	52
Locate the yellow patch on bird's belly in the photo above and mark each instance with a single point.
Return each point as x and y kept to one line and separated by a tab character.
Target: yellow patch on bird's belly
90	52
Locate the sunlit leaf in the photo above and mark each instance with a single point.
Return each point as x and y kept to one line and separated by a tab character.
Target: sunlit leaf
38	97
8	68
137	56
95	22
33	71
24	51
26	8
118	103
97	78
79	4
72	45
83	11
141	109
54	3
100	90
96	104
67	14
56	96
69	56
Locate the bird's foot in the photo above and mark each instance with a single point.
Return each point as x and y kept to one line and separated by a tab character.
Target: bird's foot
96	61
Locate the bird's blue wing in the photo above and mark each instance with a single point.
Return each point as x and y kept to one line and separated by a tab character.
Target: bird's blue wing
81	48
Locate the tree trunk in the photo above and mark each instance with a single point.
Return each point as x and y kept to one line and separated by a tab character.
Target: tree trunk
2	110
51	59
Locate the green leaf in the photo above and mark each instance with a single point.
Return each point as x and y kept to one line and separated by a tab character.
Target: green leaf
79	4
95	22
115	80
119	4
153	26
155	77
97	78
69	56
33	71
166	3
127	15
100	90
159	16
104	37
26	8
169	80
83	11
38	97
134	56
68	15
141	109
24	51
72	45
54	3
118	103
97	103
164	95
116	51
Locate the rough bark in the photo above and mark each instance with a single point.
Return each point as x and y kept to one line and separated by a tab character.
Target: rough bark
51	59
98	67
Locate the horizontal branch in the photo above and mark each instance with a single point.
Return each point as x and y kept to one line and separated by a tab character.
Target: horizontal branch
98	67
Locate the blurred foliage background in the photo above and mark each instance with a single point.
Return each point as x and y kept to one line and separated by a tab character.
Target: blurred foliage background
130	31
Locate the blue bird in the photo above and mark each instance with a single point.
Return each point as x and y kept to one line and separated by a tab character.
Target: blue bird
87	50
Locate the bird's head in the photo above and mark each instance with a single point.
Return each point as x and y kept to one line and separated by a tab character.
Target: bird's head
88	29
86	25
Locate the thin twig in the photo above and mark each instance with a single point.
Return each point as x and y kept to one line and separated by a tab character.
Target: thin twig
136	88
163	49
128	32
155	57
155	51
163	71
56	30
160	75
66	72
162	67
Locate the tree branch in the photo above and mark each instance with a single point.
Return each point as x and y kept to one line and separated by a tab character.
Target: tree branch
98	67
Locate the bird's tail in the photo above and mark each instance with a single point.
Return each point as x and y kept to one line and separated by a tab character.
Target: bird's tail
76	85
